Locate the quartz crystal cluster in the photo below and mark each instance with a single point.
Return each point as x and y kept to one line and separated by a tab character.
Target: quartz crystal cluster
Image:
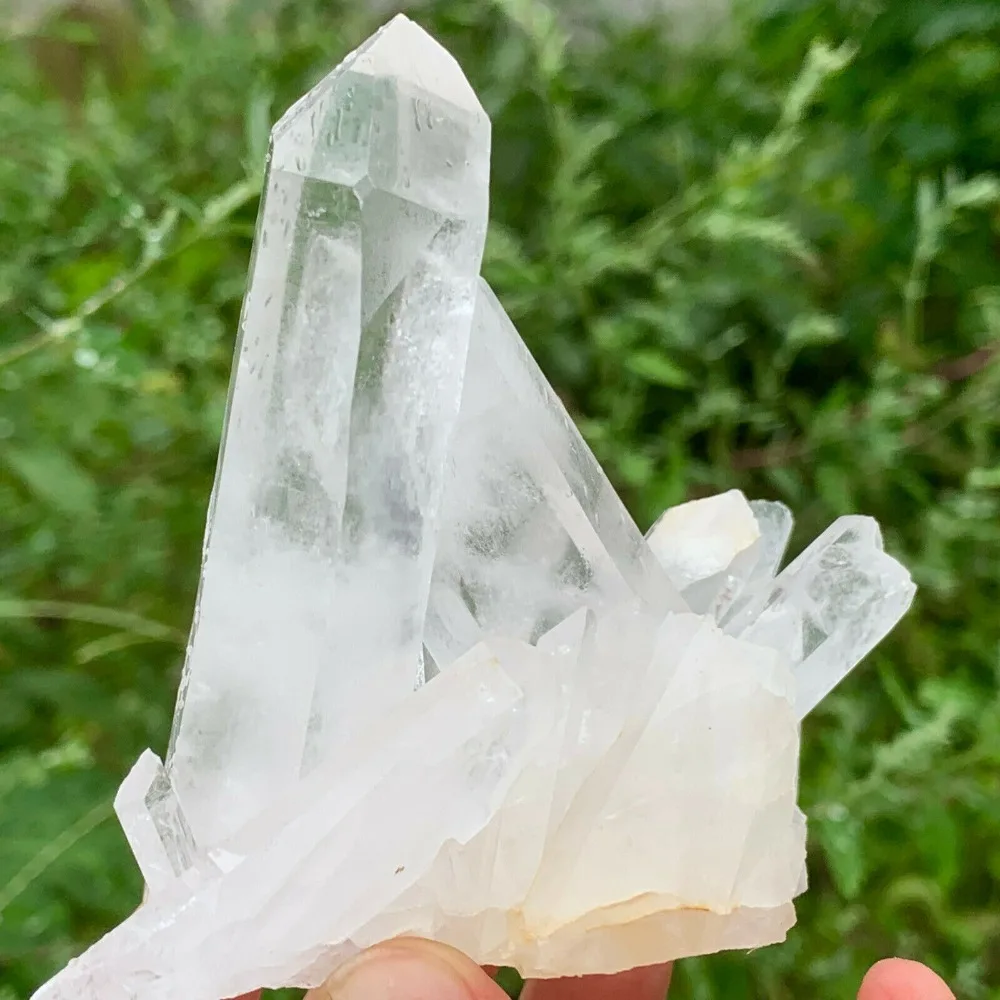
438	682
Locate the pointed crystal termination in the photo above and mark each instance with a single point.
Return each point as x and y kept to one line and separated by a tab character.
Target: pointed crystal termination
774	521
828	608
348	380
718	550
154	823
533	530
708	548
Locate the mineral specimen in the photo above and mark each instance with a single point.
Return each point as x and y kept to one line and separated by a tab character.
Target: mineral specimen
438	682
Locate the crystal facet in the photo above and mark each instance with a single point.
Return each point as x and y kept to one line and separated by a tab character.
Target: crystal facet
438	682
532	529
346	390
829	607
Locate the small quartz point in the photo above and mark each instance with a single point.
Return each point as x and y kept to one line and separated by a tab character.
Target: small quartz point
774	522
346	390
709	548
438	682
154	823
720	549
829	607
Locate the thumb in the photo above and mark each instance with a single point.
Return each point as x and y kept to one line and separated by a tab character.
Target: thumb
409	969
900	979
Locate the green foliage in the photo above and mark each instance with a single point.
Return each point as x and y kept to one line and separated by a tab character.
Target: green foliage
767	261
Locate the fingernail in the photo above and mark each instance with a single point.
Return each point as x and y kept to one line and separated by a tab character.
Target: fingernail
398	971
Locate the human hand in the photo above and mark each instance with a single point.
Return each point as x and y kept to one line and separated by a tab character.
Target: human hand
412	969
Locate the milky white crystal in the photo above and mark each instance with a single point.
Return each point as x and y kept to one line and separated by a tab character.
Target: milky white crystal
438	682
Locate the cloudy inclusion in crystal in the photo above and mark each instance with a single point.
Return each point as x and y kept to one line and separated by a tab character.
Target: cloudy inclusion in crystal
348	380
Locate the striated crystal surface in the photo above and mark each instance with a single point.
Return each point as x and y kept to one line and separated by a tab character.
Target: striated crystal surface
829	607
347	385
532	529
438	681
154	823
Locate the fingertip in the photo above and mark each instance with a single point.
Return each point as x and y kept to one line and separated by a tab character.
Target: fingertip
646	983
409	969
478	979
903	979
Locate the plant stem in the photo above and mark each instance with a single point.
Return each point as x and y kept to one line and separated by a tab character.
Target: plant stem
218	211
52	852
93	614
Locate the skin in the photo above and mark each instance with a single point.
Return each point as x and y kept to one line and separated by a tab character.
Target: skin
412	969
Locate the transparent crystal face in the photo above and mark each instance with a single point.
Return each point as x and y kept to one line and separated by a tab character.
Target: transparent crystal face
828	608
346	389
533	529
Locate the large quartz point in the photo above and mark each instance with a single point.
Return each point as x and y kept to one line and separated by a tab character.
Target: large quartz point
347	387
532	528
438	681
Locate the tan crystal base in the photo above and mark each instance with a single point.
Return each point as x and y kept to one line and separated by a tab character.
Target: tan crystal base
624	937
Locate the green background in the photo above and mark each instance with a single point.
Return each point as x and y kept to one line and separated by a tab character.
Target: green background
765	259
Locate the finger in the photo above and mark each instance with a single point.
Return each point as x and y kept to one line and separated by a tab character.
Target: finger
901	979
649	983
409	969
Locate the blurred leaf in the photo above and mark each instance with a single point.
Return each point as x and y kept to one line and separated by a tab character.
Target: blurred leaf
774	234
840	837
656	367
55	479
813	329
979	192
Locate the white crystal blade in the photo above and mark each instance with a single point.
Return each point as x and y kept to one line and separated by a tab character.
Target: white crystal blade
689	758
496	869
335	851
347	384
753	570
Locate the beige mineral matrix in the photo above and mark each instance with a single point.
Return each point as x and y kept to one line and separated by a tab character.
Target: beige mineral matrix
438	682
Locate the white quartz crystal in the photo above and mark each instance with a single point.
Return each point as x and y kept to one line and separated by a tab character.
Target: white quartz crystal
348	380
438	682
